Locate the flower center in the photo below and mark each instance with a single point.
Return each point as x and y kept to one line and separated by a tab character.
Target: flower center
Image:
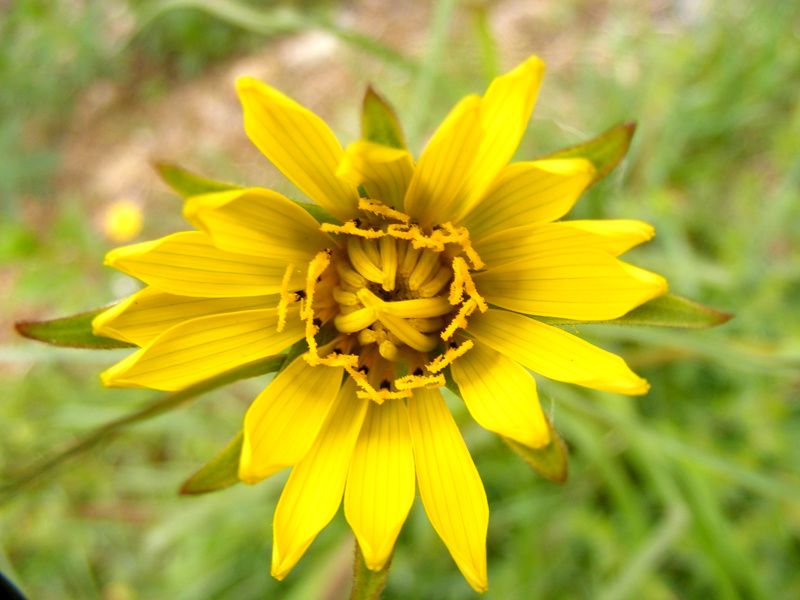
392	298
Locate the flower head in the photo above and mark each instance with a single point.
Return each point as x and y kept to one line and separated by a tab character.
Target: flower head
423	269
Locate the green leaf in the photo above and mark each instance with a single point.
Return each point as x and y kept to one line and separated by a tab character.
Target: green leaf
379	122
220	472
188	184
668	310
45	468
319	213
674	311
549	461
604	152
74	331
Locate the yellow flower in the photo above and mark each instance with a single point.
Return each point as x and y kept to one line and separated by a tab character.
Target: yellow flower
122	221
426	268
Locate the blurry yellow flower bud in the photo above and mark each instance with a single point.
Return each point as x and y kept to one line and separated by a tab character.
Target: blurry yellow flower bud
122	220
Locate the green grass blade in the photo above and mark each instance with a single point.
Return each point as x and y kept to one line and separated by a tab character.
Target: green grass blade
429	71
276	20
160	405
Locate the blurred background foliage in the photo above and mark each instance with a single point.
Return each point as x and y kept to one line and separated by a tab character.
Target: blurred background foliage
690	492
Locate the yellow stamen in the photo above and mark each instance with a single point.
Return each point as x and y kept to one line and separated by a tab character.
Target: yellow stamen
460	320
362	262
473	293
357	320
380	396
388	252
441	361
344	298
409	260
410	382
348	275
367	337
414	234
436	283
426	325
377	208
401	328
316	268
407	334
457	286
388	350
286	298
352	229
417	308
311	331
423	269
335	360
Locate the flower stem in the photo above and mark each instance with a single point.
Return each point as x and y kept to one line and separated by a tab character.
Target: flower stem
367	584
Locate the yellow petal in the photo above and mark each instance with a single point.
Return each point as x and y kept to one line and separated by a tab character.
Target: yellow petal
148	313
314	490
449	485
283	421
188	264
472	145
384	172
299	143
501	396
202	348
554	353
441	172
559	281
505	111
258	222
521	243
615	236
380	484
529	192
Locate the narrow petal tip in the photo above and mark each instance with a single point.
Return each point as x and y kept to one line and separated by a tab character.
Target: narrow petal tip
245	83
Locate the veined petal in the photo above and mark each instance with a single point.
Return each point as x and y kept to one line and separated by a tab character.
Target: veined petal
529	192
314	490
148	313
615	236
380	484
299	143
384	172
554	353
201	348
449	485
501	396
441	172
188	264
472	145
258	222
587	285
522	243
505	111
283	421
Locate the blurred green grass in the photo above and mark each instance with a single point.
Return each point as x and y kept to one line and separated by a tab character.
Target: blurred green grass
690	492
